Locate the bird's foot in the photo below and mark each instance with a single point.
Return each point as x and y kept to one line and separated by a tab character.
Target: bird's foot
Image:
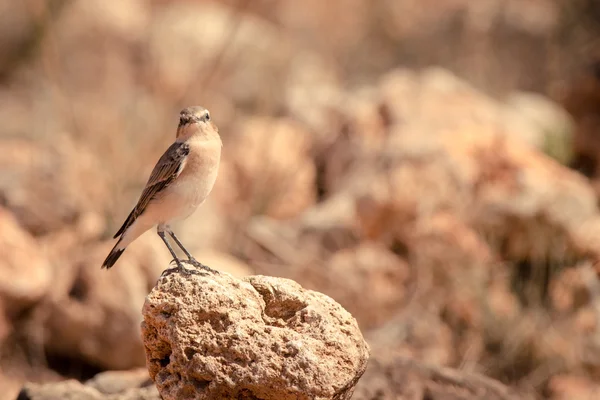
179	268
198	264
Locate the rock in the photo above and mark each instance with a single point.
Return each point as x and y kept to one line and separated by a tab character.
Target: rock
93	315
126	20
374	282
182	29
197	33
404	378
10	385
214	336
315	234
455	184
418	334
573	289
59	173
25	273
17	30
113	382
322	249
263	179
555	124
580	96
572	387
70	389
111	385
502	190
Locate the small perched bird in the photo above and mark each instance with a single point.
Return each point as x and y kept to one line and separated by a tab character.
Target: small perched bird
178	184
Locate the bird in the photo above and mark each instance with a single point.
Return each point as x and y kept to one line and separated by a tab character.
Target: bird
181	181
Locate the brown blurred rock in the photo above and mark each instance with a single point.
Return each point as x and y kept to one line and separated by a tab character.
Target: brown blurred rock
374	282
581	98
456	185
70	389
573	289
322	249
210	39
314	235
113	382
269	169
94	314
25	282
48	187
214	336
513	196
448	147
551	119
572	387
403	378
416	333
111	385
25	273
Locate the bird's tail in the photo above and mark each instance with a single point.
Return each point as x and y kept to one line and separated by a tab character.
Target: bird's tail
113	256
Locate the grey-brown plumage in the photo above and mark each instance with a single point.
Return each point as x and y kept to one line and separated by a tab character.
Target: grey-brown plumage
181	180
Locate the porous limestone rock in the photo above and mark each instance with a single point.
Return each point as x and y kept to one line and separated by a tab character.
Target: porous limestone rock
214	336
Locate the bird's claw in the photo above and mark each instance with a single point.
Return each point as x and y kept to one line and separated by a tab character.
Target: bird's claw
199	265
178	268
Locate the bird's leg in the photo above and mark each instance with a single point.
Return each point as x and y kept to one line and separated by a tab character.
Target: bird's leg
180	266
185	251
191	258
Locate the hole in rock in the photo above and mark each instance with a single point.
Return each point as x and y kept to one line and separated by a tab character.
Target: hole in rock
72	367
200	384
585	164
247	394
284	309
220	324
80	289
189	353
427	395
165	360
23	395
401	249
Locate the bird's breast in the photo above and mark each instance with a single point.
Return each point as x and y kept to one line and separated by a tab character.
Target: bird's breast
191	187
199	172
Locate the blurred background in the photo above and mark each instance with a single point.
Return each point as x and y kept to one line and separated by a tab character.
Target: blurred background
432	165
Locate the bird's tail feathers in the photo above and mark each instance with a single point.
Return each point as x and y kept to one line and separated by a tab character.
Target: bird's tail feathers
126	224
113	256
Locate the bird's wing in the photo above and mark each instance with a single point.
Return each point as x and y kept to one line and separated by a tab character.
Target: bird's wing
167	168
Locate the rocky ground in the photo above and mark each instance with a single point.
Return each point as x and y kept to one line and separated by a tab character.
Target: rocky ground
442	187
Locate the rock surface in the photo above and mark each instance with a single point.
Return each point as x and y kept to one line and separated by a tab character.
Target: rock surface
215	336
113	385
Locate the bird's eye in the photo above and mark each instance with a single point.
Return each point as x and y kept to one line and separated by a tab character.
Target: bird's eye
207	117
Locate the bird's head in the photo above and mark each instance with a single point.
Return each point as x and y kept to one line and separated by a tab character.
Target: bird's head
195	120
